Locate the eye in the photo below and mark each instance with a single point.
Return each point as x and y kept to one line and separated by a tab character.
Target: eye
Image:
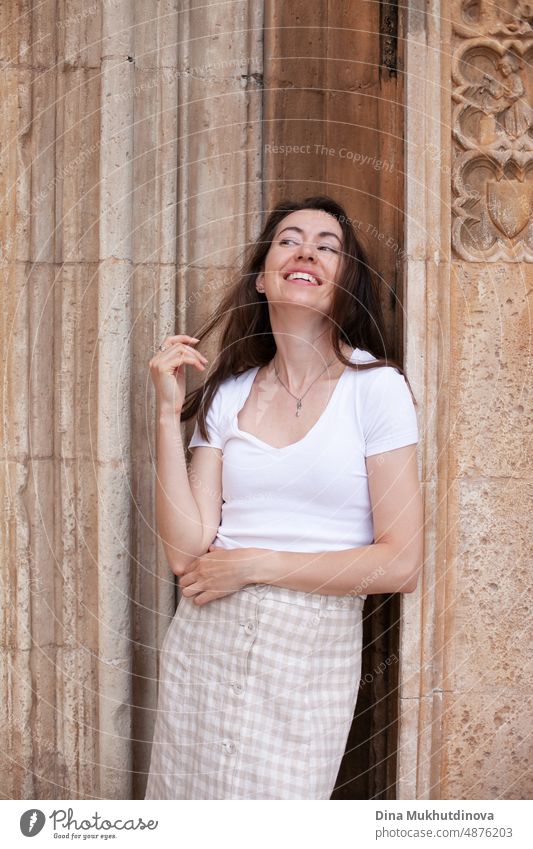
289	241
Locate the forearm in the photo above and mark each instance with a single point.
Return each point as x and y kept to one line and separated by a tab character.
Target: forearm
177	515
369	569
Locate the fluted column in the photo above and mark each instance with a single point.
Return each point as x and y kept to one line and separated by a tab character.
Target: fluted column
114	378
219	154
154	290
88	263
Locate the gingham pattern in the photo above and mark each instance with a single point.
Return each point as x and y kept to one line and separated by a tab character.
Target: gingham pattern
256	696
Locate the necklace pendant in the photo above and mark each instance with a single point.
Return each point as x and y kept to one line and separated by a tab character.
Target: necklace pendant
298	406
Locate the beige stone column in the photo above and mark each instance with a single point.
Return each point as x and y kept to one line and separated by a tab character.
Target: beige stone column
88	261
220	89
464	724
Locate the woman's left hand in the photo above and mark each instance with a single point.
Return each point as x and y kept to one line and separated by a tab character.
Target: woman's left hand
219	572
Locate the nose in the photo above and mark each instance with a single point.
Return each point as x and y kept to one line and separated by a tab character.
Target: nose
308	251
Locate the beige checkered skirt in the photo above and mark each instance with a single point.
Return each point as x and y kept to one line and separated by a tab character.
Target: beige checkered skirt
257	692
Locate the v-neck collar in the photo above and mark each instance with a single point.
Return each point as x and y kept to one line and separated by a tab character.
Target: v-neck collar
247	388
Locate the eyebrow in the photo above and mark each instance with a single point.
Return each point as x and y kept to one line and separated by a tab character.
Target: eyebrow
323	233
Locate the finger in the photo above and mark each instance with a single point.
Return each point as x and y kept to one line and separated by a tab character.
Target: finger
192	589
181	337
183	358
186	580
170	341
206	597
176	359
177	365
183	347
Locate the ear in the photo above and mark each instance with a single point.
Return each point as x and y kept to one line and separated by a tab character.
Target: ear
259	282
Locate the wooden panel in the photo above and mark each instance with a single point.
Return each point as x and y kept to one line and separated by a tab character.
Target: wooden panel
333	123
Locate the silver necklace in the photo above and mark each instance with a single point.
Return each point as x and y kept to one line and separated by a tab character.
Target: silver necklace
299	400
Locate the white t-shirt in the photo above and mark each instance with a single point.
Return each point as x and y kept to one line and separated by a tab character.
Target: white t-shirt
312	495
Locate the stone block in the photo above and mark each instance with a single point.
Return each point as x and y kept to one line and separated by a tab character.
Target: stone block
43	42
16	585
487	748
155	167
491	629
16	708
157	33
45	563
43	166
15	174
79	150
114	363
491	390
77	720
15	33
79	33
116	160
41	283
16	351
209	35
75	579
118	29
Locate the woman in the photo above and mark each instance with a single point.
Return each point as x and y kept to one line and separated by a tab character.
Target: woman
301	495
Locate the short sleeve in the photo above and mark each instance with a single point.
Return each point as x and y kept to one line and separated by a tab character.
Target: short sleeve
213	421
388	414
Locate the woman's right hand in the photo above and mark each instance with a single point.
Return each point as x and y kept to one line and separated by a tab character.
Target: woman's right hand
167	369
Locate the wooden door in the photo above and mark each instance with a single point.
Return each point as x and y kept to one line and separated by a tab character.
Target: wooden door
333	124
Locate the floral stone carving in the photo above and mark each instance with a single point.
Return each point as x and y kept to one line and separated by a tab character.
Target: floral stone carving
492	172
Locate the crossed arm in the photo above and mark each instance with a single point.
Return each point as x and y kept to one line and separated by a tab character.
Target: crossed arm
392	563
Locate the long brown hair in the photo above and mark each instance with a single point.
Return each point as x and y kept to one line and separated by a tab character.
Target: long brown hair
247	339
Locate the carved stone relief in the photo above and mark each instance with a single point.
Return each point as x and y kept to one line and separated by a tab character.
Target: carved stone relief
492	119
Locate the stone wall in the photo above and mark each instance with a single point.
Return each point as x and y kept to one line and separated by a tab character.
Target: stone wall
465	676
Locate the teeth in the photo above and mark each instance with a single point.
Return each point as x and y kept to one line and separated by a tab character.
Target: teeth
300	275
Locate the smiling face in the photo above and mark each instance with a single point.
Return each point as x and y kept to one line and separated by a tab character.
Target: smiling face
304	260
